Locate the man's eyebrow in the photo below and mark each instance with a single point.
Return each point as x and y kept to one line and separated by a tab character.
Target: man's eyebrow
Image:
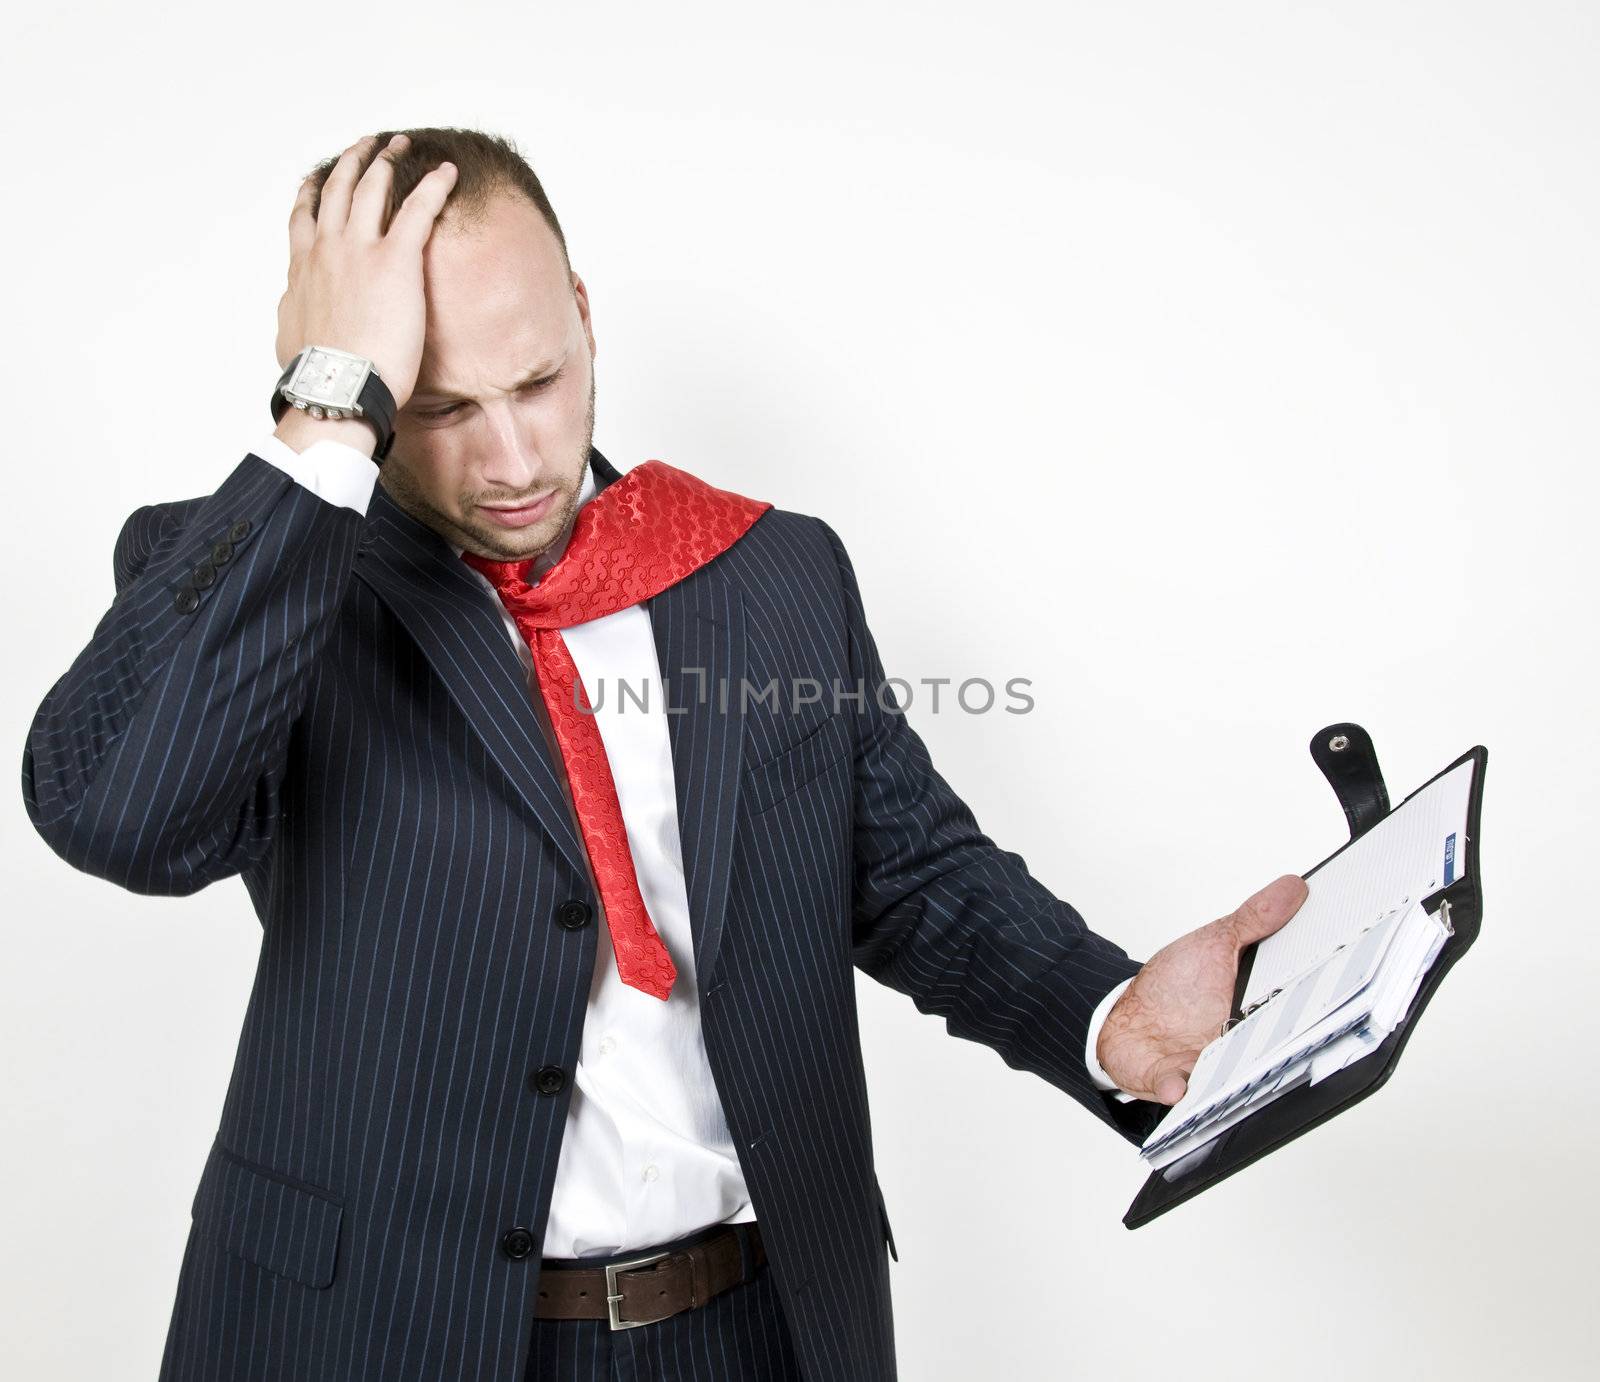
540	371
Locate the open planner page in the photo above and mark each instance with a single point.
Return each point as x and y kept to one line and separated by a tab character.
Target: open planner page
1417	849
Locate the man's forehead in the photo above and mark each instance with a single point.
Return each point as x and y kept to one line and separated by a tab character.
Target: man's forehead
501	306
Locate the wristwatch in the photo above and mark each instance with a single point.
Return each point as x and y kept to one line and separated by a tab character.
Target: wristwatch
325	382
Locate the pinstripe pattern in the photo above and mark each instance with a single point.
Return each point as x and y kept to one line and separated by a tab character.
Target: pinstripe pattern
341	721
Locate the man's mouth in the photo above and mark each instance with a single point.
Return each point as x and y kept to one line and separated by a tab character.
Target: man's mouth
520	515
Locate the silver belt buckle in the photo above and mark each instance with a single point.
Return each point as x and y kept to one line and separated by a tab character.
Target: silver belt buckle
614	1296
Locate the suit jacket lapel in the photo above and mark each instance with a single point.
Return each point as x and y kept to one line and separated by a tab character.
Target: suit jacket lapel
698	626
700	645
458	626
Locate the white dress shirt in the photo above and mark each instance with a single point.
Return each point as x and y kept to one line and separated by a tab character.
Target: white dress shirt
646	1155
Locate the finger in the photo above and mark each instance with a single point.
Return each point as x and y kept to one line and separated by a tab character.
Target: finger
302	224
413	222
1262	913
372	192
1170	1088
334	211
1170	1080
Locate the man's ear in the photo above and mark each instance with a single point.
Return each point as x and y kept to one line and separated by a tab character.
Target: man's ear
580	295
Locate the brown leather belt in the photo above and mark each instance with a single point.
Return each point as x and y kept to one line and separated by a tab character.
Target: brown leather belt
641	1288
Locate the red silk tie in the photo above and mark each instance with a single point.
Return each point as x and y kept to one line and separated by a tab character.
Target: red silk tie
636	537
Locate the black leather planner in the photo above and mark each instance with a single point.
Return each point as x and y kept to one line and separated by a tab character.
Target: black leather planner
1346	756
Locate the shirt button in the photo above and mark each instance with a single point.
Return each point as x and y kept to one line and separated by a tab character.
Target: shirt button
548	1079
650	1172
608	1044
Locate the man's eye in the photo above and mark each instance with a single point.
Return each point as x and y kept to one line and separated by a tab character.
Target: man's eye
531	387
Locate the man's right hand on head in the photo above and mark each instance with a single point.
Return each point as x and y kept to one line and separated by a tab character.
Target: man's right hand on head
352	285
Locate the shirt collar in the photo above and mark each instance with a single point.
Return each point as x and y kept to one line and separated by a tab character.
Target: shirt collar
552	554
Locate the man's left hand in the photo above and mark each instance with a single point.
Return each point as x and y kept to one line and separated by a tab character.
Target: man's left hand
1178	1002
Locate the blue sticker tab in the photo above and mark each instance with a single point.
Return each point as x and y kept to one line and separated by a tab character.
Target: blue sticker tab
1450	858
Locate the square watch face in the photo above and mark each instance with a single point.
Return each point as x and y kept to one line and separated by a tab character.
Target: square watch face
329	378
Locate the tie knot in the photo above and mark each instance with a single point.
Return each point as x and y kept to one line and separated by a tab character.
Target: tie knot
507	577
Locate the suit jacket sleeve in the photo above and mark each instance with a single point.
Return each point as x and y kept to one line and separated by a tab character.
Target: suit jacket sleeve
943	914
157	760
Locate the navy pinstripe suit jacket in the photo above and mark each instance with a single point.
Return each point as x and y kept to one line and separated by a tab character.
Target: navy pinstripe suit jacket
325	704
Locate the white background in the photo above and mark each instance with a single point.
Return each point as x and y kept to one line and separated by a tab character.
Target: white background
1226	369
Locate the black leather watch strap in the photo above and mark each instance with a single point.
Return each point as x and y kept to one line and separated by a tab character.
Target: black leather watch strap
375	401
377	406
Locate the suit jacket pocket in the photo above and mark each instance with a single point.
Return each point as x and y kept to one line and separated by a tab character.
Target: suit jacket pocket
787	771
285	1225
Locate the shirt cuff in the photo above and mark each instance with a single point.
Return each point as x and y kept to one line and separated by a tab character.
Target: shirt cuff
330	469
1099	1076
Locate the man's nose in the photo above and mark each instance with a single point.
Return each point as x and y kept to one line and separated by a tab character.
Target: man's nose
510	456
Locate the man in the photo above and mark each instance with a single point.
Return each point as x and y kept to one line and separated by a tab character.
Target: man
542	973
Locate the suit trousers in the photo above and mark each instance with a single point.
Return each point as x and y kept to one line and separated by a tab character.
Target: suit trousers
740	1335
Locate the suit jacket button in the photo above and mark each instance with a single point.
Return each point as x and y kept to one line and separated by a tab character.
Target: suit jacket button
239	530
516	1243
205	574
574	913
221	552
187	600
548	1079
